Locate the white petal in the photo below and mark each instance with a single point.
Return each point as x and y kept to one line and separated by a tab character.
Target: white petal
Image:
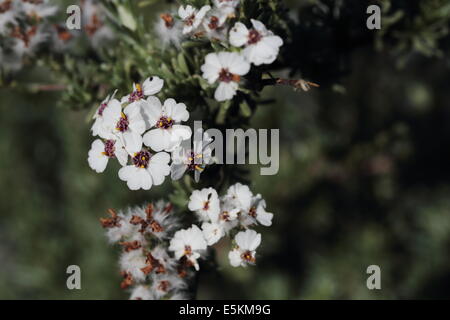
159	167
248	240
158	139
96	159
132	141
112	113
235	258
120	153
177	171
152	111
239	35
179	112
239	65
152	85
225	91
259	26
136	178
211	68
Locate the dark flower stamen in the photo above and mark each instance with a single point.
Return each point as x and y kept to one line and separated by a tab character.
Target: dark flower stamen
109	148
137	94
101	109
122	124
226	76
141	159
247	256
254	36
165	123
213	23
168	20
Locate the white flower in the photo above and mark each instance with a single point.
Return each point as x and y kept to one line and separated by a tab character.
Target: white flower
38	10
226	68
101	152
214	25
165	284
120	228
245	250
239	196
213	232
93	17
192	159
28	39
257	213
8	15
228	217
192	18
133	262
164	260
227	7
169	30
128	125
150	87
98	128
142	292
146	170
168	132
261	45
188	243
205	203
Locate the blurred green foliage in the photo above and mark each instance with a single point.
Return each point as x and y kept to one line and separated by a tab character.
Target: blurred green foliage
363	177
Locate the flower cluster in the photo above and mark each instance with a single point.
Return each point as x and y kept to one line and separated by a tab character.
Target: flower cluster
237	210
23	28
142	133
145	263
93	28
244	45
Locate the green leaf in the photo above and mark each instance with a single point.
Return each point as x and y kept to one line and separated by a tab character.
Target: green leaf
126	18
245	109
183	64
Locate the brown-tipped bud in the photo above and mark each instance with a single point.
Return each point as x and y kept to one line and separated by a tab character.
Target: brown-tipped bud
156	227
110	222
149	211
135	220
127	280
130	245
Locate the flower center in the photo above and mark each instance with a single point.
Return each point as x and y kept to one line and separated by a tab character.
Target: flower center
122	124
226	76
165	123
136	94
206	205
187	250
191	163
252	212
213	23
23	35
95	24
164	285
189	20
109	148
254	36
225	216
101	109
141	159
247	256
168	20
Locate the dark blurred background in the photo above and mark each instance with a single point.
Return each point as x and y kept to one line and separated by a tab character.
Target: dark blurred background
363	180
